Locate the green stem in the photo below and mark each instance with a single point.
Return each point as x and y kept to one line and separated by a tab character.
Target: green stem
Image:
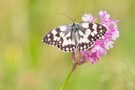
68	78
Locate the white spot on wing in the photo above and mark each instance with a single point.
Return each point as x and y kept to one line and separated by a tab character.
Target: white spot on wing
73	42
85	25
83	40
95	31
92	34
63	28
55	38
92	39
84	46
100	34
81	33
81	47
67	49
69	41
65	41
49	39
68	35
100	27
87	32
101	31
48	35
54	32
103	37
94	26
58	38
60	42
61	34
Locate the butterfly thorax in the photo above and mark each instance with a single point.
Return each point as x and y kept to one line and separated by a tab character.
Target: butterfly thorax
74	27
74	32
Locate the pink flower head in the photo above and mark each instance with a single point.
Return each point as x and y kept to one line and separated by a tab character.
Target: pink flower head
100	46
115	35
88	17
108	44
104	15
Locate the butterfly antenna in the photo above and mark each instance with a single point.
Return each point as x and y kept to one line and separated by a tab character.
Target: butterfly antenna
67	16
78	15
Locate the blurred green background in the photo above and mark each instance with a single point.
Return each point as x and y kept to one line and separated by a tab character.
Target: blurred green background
27	64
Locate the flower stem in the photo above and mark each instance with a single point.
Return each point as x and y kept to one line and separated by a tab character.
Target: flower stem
68	77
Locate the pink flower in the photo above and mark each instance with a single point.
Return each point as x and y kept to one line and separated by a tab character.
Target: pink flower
88	17
100	46
104	15
108	44
99	50
85	55
115	35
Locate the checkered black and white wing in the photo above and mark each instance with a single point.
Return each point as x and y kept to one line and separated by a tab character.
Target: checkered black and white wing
88	33
61	37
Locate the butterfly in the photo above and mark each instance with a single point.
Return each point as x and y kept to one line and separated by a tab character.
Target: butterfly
76	35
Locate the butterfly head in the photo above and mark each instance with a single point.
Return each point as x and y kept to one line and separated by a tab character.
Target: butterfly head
74	27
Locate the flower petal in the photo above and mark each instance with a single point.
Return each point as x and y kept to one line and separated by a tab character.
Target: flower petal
115	35
88	17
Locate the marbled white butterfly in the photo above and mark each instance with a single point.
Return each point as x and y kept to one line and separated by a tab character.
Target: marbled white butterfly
76	35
